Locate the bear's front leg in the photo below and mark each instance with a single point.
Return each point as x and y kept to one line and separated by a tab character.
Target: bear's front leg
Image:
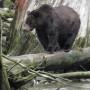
43	38
53	41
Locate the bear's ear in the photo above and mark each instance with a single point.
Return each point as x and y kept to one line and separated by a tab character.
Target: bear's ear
28	12
36	14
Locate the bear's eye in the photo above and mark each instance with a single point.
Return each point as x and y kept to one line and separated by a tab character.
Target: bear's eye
28	21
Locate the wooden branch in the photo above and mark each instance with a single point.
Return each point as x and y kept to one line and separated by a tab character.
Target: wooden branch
58	60
75	75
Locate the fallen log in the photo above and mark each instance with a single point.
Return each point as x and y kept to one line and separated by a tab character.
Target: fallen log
58	60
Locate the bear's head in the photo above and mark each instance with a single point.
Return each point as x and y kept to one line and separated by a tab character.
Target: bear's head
34	20
31	20
38	18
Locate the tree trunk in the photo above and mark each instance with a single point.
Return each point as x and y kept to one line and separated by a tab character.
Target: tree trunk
14	34
0	58
4	84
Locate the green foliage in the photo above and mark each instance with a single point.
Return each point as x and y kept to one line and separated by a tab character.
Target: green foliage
6	15
27	43
80	42
9	4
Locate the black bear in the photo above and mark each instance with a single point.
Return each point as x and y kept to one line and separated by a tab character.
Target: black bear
56	27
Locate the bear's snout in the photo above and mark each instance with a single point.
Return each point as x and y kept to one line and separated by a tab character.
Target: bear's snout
26	27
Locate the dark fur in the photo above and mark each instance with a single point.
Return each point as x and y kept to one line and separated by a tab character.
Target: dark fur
56	27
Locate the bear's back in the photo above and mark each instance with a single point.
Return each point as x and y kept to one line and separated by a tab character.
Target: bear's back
65	12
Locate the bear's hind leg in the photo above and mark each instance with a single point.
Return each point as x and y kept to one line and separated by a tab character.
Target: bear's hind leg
69	43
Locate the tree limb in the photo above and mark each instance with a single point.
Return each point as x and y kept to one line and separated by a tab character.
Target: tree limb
73	75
